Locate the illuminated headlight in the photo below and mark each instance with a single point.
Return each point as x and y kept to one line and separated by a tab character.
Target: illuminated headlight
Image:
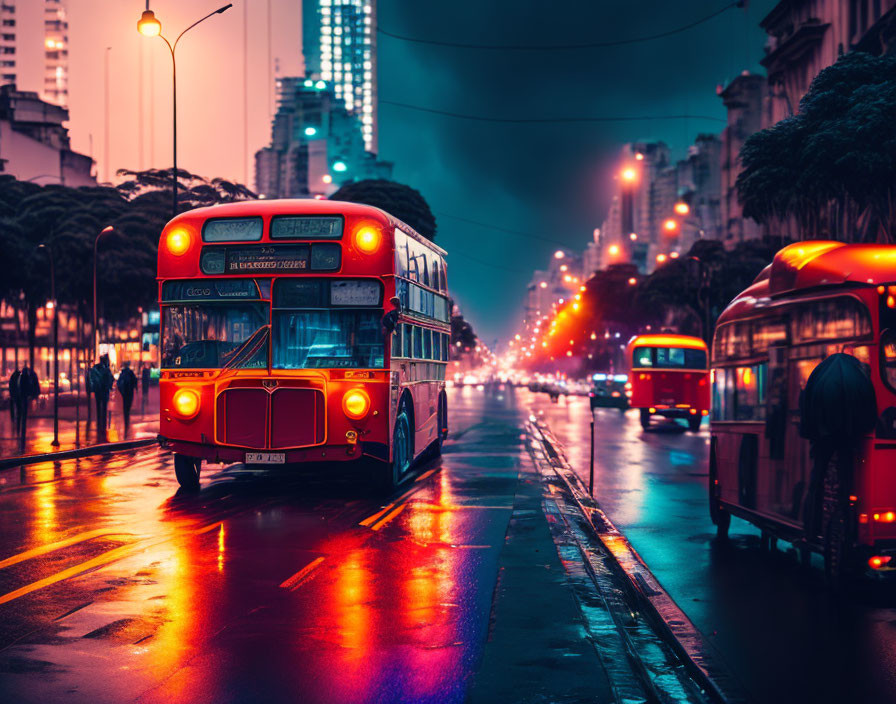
355	404
186	403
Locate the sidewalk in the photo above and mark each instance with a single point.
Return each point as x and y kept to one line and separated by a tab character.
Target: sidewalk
72	436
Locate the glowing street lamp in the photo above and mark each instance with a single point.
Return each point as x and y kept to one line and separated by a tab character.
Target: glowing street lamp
660	258
670	225
613	250
149	26
629	174
682	208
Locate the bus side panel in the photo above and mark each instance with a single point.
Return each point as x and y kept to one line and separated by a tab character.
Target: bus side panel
726	463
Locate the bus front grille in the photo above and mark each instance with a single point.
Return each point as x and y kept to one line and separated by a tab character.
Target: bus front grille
297	417
261	419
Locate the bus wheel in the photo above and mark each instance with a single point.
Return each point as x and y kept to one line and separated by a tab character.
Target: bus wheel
645	418
694	423
187	469
719	516
836	539
442	420
392	473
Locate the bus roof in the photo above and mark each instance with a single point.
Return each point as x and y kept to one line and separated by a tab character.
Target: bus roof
815	264
312	206
667	340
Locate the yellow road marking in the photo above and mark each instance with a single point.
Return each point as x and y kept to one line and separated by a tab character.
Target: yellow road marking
302	574
98	561
50	547
425	475
383	521
372	519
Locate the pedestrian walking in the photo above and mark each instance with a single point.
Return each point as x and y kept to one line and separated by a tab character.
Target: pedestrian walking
101	382
145	379
28	389
14	397
127	385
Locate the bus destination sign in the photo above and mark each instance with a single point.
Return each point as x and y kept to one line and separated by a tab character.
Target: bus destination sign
282	259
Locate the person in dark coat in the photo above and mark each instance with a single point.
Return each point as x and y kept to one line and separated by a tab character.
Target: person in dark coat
145	379
13	397
29	388
101	382
127	385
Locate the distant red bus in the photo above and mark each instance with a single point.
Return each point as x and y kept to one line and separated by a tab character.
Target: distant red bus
815	299
669	376
281	343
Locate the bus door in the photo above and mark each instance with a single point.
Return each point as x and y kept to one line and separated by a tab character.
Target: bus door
777	417
798	465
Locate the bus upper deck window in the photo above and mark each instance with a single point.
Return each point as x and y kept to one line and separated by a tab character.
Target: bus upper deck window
643	357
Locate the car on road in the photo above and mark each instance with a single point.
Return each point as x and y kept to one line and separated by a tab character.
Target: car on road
609	391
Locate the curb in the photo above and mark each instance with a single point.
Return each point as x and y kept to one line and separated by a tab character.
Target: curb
670	621
104	449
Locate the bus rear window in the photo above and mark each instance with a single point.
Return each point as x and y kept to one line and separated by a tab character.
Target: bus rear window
668	358
306	227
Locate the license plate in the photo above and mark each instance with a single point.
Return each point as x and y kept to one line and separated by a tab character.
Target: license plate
265	458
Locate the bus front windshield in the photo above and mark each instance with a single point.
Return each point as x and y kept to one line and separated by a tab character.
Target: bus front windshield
214	335
668	358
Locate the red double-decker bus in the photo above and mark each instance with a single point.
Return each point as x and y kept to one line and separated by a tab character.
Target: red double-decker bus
668	376
814	300
299	331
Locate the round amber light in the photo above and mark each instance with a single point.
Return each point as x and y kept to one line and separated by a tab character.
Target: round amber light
367	239
186	403
178	242
356	403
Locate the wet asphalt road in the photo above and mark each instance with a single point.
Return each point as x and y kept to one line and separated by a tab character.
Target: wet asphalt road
772	622
264	586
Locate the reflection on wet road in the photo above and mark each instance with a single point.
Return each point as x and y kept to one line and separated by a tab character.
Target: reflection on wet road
772	622
264	586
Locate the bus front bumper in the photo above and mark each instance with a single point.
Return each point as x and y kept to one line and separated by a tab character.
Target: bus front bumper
318	453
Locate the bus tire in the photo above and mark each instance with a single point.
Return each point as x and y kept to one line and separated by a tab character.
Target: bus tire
719	516
442	419
187	470
836	527
392	473
645	418
694	423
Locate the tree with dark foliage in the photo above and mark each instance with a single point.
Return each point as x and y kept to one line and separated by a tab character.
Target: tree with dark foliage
400	201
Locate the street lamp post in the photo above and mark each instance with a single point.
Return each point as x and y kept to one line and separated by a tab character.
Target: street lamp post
149	26
49	252
94	333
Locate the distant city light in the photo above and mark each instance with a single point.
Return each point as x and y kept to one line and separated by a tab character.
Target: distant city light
682	208
563	267
310	131
309	83
327	178
660	258
543	284
632	236
613	250
339	166
629	174
320	85
674	255
559	254
670	225
639	156
632	281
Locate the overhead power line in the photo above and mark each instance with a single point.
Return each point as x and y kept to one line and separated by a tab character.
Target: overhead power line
560	47
548	120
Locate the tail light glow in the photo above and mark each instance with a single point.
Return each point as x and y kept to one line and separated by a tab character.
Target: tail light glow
368	239
878	561
178	241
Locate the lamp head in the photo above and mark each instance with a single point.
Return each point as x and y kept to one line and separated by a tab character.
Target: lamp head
148	25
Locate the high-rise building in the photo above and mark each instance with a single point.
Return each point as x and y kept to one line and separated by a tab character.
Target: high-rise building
8	73
34	47
55	88
339	45
316	144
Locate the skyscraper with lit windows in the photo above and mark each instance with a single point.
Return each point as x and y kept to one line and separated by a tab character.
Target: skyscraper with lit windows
339	44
